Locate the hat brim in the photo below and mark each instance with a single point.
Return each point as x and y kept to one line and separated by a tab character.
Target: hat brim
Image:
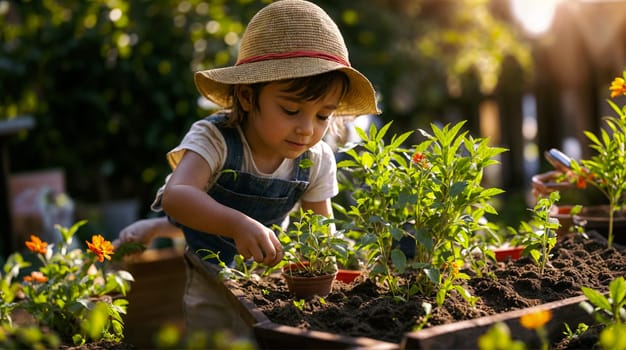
215	84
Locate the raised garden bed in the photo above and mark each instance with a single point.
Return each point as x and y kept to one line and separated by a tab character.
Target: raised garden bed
361	315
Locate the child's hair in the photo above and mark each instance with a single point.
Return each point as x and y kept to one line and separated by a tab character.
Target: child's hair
307	88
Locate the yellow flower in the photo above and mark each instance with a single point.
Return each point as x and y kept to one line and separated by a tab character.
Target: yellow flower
101	247
36	276
36	245
535	320
618	87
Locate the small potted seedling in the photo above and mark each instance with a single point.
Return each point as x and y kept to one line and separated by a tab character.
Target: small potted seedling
311	247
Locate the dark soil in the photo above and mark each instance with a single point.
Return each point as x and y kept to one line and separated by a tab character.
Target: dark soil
100	345
362	309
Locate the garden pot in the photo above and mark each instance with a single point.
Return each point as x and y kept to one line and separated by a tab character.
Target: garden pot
596	218
347	276
306	287
513	253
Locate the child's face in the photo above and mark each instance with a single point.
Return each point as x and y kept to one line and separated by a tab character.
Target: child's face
285	126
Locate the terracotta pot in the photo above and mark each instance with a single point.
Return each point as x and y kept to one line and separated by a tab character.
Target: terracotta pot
504	253
306	287
596	218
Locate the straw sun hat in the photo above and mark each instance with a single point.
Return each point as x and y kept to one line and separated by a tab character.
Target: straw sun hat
290	39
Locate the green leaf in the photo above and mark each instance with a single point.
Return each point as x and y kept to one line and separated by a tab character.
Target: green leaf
617	290
96	321
612	337
596	298
305	163
458	188
433	274
381	133
399	260
397	141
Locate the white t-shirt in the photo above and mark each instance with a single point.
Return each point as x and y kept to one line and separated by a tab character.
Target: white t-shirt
205	139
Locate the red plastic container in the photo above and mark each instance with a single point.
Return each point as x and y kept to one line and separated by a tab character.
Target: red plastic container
508	252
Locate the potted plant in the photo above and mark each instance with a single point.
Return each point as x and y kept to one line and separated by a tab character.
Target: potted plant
605	170
311	246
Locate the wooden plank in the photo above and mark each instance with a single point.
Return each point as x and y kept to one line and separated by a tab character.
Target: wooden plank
465	334
270	335
156	297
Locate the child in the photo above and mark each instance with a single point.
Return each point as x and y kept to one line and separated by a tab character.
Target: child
240	171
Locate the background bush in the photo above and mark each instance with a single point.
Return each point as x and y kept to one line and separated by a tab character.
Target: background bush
110	85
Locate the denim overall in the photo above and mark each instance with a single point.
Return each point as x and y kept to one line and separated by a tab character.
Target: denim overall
269	201
266	200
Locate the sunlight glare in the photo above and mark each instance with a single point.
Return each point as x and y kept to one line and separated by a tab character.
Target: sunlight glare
535	15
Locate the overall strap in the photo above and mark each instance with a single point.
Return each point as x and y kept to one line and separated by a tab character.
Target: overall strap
234	148
302	170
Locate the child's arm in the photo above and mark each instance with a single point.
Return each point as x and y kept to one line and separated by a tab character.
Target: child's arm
322	208
145	230
186	201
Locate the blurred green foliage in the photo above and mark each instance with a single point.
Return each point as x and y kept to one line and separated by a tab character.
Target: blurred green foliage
110	85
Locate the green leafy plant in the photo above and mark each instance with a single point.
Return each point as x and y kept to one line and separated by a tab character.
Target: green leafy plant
428	313
170	336
299	304
72	291
607	310
538	236
605	170
375	219
312	243
29	337
570	333
418	208
610	312
241	269
612	337
498	337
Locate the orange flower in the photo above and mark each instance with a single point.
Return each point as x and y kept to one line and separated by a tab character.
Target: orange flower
420	159
36	276
535	320
101	247
455	268
581	183
618	87
36	245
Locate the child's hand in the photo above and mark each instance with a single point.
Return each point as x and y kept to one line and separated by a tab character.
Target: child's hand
254	240
144	231
141	231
